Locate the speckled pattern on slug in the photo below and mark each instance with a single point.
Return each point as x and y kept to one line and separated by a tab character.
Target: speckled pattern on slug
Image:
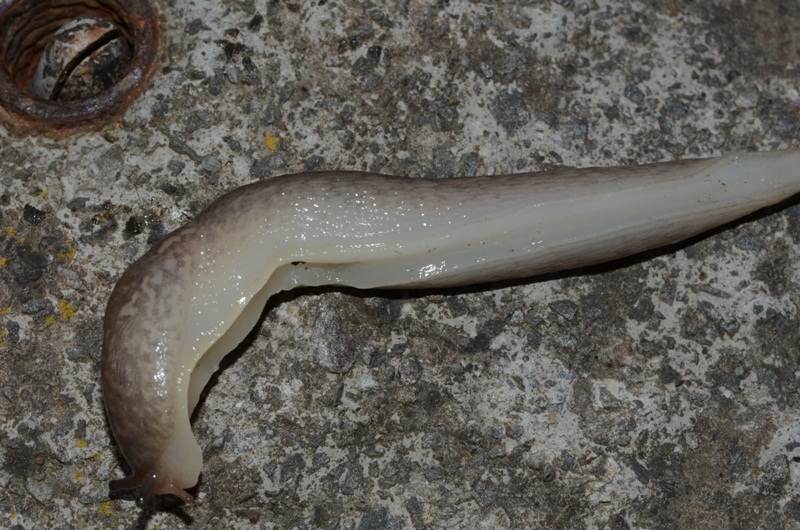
128	368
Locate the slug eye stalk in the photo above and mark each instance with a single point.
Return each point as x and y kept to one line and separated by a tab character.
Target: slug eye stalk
195	295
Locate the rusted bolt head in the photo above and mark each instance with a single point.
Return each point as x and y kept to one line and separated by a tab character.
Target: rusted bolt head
83	58
71	65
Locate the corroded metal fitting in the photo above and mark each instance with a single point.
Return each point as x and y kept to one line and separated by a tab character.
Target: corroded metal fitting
72	65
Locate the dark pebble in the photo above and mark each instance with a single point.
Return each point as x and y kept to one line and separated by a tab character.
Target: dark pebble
195	26
634	94
29	265
76	354
159	109
378	519
255	22
357	34
212	164
133	227
313	163
347	138
347	113
787	125
260	168
468	164
565	308
169	188
33	306
643	310
32	215
442	164
410	370
232	143
510	110
374	53
485	494
675	108
175	167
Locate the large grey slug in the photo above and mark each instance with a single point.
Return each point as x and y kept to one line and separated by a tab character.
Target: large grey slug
196	294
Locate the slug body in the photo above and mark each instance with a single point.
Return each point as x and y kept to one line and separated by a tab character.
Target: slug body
196	294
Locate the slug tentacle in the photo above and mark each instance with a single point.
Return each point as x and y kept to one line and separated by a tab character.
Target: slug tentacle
194	296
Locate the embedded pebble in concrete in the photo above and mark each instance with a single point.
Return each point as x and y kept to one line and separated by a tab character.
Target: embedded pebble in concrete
654	394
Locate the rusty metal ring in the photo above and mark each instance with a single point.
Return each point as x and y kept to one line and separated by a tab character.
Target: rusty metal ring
26	26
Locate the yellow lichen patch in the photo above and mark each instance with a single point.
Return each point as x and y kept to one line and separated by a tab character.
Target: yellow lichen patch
50	321
66	309
6	310
77	477
42	193
10	231
105	508
69	254
3	263
3	335
81	443
272	142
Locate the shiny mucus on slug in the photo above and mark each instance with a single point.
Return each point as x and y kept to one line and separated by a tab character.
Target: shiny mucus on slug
196	294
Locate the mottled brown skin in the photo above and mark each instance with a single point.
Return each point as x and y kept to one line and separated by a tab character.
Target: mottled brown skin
139	406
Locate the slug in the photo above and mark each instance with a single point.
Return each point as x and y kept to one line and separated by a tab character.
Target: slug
197	293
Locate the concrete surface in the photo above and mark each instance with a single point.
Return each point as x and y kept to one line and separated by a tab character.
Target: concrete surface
658	394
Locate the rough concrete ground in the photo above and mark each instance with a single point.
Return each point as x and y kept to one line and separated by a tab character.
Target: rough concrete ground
658	394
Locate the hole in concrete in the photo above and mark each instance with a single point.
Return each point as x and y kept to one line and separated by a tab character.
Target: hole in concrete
68	65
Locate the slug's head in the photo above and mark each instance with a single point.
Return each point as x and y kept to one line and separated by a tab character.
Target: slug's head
147	485
144	382
159	467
